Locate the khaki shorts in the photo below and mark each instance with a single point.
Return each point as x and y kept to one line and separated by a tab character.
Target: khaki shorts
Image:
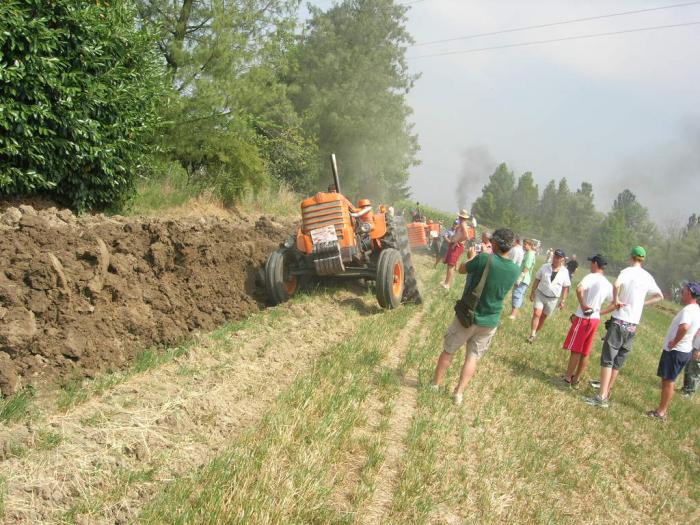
477	338
544	303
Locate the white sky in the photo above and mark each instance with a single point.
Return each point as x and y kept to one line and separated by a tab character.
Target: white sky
618	111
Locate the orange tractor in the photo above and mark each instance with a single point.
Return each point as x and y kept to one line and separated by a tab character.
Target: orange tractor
338	239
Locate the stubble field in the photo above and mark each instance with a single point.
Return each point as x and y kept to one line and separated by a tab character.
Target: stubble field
319	411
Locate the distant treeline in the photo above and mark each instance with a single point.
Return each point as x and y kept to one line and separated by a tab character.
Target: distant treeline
568	219
234	94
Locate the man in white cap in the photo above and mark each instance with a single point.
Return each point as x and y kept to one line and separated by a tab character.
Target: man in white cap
456	247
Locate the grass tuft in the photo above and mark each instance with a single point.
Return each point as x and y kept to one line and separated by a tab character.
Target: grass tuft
18	406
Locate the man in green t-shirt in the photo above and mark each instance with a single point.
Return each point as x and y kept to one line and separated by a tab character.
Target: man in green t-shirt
477	337
524	279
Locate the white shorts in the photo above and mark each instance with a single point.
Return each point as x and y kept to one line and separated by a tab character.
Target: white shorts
544	303
477	338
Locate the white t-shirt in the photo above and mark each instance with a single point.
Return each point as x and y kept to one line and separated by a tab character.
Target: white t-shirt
516	254
597	290
552	288
635	284
690	315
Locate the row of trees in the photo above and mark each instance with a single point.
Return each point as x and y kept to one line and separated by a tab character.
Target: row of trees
568	219
236	93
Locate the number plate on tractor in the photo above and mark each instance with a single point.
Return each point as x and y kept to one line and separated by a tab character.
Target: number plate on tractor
325	234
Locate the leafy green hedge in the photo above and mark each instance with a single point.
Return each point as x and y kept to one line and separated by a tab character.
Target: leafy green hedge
79	86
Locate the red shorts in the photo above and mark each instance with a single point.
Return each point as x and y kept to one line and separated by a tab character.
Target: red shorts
453	254
580	336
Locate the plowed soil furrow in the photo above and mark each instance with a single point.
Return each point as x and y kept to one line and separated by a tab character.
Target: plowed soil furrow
114	452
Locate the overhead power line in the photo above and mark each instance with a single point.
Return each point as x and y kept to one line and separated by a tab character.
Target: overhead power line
551	40
552	24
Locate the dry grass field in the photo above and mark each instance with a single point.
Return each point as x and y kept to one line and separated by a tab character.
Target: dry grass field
319	411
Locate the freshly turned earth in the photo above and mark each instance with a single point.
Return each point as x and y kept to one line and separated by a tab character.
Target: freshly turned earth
82	294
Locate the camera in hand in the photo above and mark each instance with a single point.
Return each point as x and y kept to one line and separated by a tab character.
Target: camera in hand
588	312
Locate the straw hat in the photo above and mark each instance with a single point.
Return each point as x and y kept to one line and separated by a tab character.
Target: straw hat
463	213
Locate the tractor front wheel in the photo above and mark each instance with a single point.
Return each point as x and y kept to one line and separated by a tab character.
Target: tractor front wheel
279	283
390	278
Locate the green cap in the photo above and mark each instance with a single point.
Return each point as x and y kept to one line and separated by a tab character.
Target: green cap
638	251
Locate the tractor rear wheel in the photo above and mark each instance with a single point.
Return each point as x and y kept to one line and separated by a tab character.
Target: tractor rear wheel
390	278
280	284
398	238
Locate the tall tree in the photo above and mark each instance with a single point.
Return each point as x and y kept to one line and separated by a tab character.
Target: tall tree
230	118
493	207
584	220
525	201
626	225
350	81
547	210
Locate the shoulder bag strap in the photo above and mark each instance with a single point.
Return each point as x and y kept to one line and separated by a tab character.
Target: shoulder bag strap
482	281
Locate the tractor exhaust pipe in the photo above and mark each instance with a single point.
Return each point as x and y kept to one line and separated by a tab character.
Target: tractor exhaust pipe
334	167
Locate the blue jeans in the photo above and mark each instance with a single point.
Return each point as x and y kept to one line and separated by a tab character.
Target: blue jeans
519	294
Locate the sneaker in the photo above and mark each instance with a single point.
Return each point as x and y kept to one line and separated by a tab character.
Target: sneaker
597	401
594	383
531	339
434	387
511	317
445	286
459	399
575	384
653	414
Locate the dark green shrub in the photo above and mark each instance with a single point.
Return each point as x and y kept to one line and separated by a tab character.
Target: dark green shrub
79	84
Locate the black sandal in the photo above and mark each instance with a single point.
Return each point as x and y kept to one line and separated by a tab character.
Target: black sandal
653	414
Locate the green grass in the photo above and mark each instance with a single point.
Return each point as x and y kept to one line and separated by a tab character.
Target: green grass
19	406
169	190
523	449
283	470
47	440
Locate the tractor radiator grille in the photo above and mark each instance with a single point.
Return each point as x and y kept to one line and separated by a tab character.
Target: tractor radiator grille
323	214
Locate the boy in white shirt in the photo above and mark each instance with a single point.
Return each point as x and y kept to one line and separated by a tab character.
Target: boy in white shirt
678	347
593	290
629	298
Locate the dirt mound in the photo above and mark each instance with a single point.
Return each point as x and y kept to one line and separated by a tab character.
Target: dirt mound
84	294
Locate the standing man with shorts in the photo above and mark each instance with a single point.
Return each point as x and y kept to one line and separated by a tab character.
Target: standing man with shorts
678	347
477	337
456	248
691	376
524	279
629	298
551	283
593	290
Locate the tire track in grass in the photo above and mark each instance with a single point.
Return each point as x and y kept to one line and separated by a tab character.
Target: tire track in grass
375	449
399	422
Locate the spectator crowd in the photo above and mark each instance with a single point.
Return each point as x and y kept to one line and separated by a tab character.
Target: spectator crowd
501	264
